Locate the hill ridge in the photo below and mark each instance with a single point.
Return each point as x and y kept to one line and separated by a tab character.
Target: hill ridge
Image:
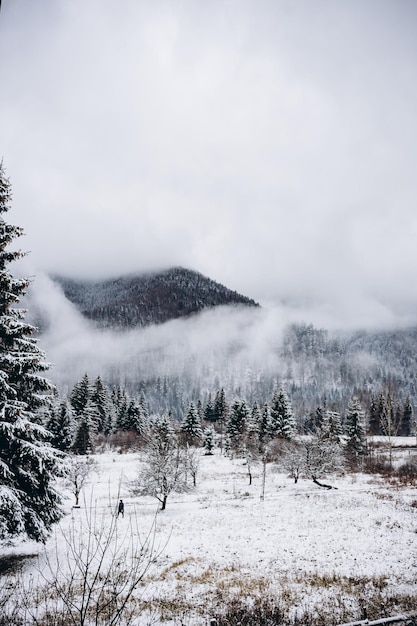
148	298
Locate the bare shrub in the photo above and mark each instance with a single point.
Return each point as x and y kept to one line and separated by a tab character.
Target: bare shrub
95	578
378	464
124	441
407	472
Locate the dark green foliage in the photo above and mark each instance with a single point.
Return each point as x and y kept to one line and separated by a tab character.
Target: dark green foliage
355	446
190	427
221	408
209	414
208	440
29	504
265	429
149	298
61	426
236	426
80	395
282	419
406	418
84	441
100	398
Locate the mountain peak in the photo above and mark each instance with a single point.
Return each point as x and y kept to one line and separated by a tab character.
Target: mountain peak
149	298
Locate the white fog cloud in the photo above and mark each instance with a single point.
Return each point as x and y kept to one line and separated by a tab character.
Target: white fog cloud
269	145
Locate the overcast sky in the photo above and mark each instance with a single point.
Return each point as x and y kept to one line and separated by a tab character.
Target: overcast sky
270	145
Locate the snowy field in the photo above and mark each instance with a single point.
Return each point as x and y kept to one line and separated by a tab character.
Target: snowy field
311	550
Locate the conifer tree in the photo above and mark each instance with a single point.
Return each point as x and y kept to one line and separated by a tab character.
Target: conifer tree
122	418
86	430
236	426
200	412
29	503
252	431
407	418
374	416
265	427
331	427
282	419
135	418
220	406
100	398
208	440
191	431
209	414
61	425
355	447
80	395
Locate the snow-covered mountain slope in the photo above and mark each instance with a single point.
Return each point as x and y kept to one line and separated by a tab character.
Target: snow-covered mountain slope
141	300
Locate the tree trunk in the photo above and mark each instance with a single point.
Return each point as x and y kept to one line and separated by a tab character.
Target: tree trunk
316	482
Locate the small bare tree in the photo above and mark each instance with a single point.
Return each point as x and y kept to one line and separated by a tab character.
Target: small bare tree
92	575
293	459
193	463
79	469
321	456
165	466
390	422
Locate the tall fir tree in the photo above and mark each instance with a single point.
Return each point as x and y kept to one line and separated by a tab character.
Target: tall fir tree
220	406
209	439
209	414
282	419
80	395
29	502
265	426
190	427
61	425
331	427
84	439
355	432
407	418
236	426
100	397
374	427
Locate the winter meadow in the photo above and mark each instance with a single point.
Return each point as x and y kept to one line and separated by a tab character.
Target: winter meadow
238	507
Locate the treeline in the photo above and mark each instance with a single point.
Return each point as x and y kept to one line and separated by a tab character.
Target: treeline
314	367
95	413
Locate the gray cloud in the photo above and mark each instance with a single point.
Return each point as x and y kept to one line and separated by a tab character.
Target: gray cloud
269	145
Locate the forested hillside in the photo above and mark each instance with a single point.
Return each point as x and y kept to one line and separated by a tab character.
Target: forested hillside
140	300
245	350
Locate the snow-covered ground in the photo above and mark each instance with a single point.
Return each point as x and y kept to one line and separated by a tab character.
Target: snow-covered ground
316	548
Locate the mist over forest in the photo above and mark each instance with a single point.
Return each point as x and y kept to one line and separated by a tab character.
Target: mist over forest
248	352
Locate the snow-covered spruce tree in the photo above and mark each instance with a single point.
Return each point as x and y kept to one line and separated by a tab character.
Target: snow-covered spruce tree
80	395
265	427
236	427
85	435
407	418
282	418
209	414
331	426
355	446
190	427
29	503
60	423
101	398
209	440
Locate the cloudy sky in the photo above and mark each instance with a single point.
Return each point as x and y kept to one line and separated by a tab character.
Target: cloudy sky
269	144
